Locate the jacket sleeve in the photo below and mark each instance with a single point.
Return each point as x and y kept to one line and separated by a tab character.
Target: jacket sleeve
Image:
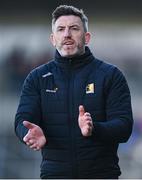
29	106
117	127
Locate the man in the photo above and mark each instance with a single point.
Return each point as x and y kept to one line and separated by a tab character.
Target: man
76	109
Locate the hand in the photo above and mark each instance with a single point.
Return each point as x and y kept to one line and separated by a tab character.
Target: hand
85	122
35	138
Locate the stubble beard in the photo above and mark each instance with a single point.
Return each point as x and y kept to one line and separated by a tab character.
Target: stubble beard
78	50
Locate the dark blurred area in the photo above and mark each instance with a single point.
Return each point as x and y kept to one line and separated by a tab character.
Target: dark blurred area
40	11
98	6
25	27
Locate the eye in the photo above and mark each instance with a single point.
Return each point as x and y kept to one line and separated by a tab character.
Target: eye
60	29
75	28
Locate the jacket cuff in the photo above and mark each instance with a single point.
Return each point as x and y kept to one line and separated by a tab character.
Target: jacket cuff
21	131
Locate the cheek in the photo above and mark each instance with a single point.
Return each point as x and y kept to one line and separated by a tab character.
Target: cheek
58	40
81	40
81	37
55	39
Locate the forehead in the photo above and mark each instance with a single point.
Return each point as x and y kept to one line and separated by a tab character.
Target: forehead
68	20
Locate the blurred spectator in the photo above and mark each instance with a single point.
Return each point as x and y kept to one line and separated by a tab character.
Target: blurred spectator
17	66
15	70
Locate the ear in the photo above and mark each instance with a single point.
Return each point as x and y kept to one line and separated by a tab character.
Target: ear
52	39
87	37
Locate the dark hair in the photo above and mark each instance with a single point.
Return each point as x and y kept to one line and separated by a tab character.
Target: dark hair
63	10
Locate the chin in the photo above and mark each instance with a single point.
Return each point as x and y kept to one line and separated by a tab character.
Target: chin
68	54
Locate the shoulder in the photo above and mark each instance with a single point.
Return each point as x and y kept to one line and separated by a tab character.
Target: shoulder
107	69
105	66
37	74
42	69
109	74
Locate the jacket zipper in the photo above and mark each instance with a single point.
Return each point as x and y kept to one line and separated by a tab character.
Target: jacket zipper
71	122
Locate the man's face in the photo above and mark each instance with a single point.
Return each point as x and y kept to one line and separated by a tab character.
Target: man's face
68	36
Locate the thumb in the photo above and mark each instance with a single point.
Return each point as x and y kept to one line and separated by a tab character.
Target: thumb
28	124
81	110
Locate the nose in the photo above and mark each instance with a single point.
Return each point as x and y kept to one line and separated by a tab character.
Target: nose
67	32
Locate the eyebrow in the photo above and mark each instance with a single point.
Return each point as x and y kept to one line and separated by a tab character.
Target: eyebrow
74	25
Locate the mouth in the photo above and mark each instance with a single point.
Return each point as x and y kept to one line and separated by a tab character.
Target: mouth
68	43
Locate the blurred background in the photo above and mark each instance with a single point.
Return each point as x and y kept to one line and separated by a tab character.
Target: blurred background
25	26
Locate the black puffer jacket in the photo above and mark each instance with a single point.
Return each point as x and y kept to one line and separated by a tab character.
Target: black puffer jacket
50	98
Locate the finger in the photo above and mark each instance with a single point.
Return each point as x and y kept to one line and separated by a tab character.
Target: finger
33	146
28	124
89	123
28	144
31	141
87	114
36	149
87	118
89	130
26	139
81	110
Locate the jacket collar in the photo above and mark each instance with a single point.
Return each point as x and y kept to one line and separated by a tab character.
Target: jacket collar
74	62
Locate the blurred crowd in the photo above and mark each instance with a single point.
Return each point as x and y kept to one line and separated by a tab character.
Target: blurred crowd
16	66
